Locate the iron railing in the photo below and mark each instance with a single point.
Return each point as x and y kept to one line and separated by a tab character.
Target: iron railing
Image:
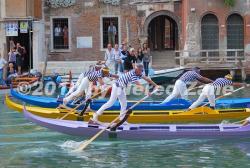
210	56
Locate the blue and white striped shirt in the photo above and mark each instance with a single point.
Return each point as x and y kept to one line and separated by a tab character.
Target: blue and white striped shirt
128	77
190	76
221	82
94	75
91	69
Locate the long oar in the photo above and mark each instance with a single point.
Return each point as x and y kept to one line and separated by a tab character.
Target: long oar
83	145
74	109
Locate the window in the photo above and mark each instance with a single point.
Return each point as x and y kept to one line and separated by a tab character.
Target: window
60	33
235	32
210	32
210	36
110	31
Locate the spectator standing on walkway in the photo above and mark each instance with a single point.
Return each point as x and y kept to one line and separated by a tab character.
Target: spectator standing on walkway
20	54
118	59
110	58
146	58
12	56
3	63
130	60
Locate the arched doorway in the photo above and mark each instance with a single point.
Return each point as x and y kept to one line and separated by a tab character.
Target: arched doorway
162	33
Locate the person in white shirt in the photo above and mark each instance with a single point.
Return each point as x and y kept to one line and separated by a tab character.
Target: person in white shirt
118	59
3	63
58	30
58	36
110	58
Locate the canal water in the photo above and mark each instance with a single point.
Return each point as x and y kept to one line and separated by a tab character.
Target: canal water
26	145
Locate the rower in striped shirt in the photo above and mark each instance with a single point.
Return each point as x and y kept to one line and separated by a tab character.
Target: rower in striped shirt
87	84
209	91
80	78
92	68
118	91
180	87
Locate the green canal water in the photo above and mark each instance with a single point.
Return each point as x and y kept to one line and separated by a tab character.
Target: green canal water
26	145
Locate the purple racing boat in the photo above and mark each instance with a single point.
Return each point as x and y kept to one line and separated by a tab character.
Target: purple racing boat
143	131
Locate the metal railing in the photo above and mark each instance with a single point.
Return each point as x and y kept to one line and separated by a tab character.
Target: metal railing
210	56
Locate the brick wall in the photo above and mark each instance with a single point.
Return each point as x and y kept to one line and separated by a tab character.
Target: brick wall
218	8
85	21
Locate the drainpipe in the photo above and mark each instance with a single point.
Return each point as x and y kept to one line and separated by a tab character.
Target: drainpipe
127	27
30	42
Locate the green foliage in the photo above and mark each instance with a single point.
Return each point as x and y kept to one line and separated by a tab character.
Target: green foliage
230	3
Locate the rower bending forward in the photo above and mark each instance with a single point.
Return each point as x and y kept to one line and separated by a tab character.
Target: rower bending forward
87	83
209	91
96	67
118	90
180	87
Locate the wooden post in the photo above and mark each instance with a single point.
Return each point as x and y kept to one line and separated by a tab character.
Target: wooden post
243	74
207	61
5	56
232	72
236	56
181	57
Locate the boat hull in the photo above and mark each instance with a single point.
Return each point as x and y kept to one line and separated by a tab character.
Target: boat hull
176	104
143	131
201	115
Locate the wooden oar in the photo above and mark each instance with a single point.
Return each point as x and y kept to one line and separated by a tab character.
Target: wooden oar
74	109
83	145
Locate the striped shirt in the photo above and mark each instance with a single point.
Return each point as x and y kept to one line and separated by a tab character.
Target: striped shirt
127	78
221	82
91	69
190	76
94	75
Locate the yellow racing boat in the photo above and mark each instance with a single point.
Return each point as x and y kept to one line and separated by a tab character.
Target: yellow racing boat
198	115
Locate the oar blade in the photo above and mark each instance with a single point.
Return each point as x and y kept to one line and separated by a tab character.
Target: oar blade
83	145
